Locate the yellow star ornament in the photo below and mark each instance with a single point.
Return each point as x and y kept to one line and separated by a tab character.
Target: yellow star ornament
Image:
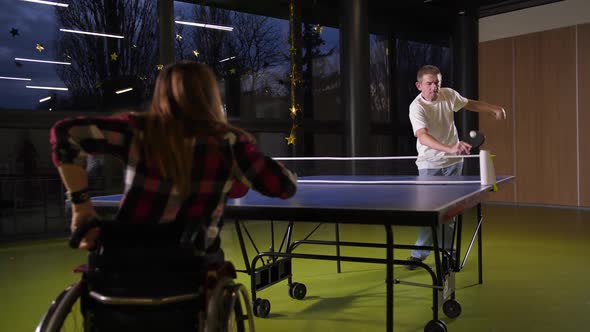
114	56
39	48
291	139
160	67
196	53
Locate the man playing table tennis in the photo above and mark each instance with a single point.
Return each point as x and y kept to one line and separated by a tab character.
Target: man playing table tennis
431	115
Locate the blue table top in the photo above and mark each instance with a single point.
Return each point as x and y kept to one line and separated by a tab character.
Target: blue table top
420	200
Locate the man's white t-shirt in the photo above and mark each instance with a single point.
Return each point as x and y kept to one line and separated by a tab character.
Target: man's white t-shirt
437	117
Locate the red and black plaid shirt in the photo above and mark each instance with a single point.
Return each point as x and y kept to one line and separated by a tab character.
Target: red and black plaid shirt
148	198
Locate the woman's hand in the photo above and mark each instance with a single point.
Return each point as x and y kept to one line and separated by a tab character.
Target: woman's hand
81	213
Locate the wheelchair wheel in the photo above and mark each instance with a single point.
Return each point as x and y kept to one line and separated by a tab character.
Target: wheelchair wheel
229	309
64	314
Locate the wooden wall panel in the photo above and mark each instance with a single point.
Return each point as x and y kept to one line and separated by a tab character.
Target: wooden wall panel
496	87
545	109
584	111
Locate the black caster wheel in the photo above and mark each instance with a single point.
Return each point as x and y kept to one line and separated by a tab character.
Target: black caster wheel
297	290
451	308
261	307
435	326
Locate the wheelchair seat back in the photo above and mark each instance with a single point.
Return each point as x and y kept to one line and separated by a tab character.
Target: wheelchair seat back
146	261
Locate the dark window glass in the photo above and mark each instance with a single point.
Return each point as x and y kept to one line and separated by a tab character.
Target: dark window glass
249	54
410	56
90	72
378	78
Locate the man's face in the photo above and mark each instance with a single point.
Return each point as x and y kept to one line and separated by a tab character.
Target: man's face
429	86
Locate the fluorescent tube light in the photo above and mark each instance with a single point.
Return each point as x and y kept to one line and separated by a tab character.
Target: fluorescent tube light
14	78
206	25
46	87
44	99
123	91
92	33
48	3
227	59
43	61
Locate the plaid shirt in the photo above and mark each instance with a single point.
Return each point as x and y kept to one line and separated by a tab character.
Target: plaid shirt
148	198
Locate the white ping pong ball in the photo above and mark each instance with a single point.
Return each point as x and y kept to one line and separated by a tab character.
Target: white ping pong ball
472	134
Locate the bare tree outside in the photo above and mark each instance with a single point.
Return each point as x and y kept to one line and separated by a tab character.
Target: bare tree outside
254	45
257	43
207	45
378	79
102	65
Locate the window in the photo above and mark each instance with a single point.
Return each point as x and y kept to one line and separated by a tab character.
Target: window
88	56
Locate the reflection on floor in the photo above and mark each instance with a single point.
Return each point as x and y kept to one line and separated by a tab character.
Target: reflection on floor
536	265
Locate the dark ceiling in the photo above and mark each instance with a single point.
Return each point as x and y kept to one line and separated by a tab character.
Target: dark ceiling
424	19
392	8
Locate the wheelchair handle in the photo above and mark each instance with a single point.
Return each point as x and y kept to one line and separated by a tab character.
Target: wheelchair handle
81	231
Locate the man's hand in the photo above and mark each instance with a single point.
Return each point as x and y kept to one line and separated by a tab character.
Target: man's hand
82	213
500	114
460	148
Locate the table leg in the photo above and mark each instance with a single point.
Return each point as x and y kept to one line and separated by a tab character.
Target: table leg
389	278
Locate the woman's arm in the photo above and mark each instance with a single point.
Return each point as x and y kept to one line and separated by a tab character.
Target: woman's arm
262	173
71	140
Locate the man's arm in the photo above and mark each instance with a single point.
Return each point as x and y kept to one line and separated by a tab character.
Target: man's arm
426	139
483	107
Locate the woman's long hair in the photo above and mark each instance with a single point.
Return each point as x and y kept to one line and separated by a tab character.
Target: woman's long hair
186	104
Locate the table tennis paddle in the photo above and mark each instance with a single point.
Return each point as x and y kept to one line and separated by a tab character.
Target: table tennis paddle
476	141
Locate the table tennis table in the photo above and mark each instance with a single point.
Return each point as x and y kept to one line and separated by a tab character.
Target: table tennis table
419	201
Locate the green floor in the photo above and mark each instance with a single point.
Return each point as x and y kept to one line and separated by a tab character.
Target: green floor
536	268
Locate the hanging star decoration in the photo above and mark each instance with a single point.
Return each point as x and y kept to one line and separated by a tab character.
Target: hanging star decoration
114	56
291	139
196	53
232	71
318	28
178	37
39	47
294	109
160	67
14	32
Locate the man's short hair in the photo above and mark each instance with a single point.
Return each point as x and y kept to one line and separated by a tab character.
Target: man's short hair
427	69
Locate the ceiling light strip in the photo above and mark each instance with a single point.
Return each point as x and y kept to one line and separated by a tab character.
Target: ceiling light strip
208	26
92	33
227	59
43	61
14	78
123	91
46	87
48	3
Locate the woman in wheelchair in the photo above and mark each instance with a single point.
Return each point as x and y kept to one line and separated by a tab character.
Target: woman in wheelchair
182	160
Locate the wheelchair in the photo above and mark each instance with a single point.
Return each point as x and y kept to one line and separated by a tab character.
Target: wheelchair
149	289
